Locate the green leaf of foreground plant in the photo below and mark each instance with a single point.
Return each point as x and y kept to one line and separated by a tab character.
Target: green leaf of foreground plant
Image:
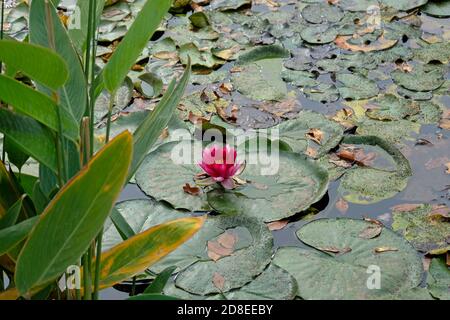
152	296
73	93
150	129
74	217
51	70
32	137
36	105
12	236
145	24
11	215
157	285
144	249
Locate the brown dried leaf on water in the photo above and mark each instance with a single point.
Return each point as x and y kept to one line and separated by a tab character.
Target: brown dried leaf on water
384	249
405	207
226	88
277	225
222	246
373	221
342	205
404	66
195	191
315	134
335	250
371	232
381	44
230	117
164	134
447	260
334	159
283	108
357	156
447	165
440	211
426	261
343	117
218	281
195	119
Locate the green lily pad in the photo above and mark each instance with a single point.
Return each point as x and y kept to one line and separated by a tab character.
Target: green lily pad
249	255
261	80
437	8
273	284
390	107
198	57
391	131
321	13
323	93
298	183
141	215
263	52
404	5
357	5
345	274
429	113
425	231
439	279
153	179
365	185
225	5
299	78
422	78
356	86
414	95
294	132
434	52
319	34
200	103
121	100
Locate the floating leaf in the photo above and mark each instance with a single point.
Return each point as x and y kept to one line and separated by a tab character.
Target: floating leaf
439	279
369	185
390	107
426	233
356	86
321	275
423	78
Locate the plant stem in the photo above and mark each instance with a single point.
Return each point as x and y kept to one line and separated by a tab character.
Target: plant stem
108	123
2	281
87	281
1	69
91	88
59	146
133	287
97	265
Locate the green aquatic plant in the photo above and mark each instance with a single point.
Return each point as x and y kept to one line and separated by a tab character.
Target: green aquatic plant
53	221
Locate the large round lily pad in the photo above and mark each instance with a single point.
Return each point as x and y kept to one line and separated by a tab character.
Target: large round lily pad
424	227
321	13
370	185
423	78
345	254
273	284
161	177
356	86
310	129
390	107
391	131
261	80
319	34
229	251
404	4
437	8
298	183
439	279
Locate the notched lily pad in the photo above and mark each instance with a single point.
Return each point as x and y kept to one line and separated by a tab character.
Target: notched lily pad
426	231
390	107
422	78
356	86
366	185
346	272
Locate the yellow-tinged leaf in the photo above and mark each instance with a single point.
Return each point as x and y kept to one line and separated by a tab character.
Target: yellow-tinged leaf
139	252
10	294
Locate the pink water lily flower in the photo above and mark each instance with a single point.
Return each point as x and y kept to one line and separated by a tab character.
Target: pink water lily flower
219	163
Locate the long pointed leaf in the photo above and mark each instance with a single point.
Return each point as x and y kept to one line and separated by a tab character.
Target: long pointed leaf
157	285
143	27
152	126
13	235
50	70
121	224
31	136
36	105
10	218
74	217
73	93
144	249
